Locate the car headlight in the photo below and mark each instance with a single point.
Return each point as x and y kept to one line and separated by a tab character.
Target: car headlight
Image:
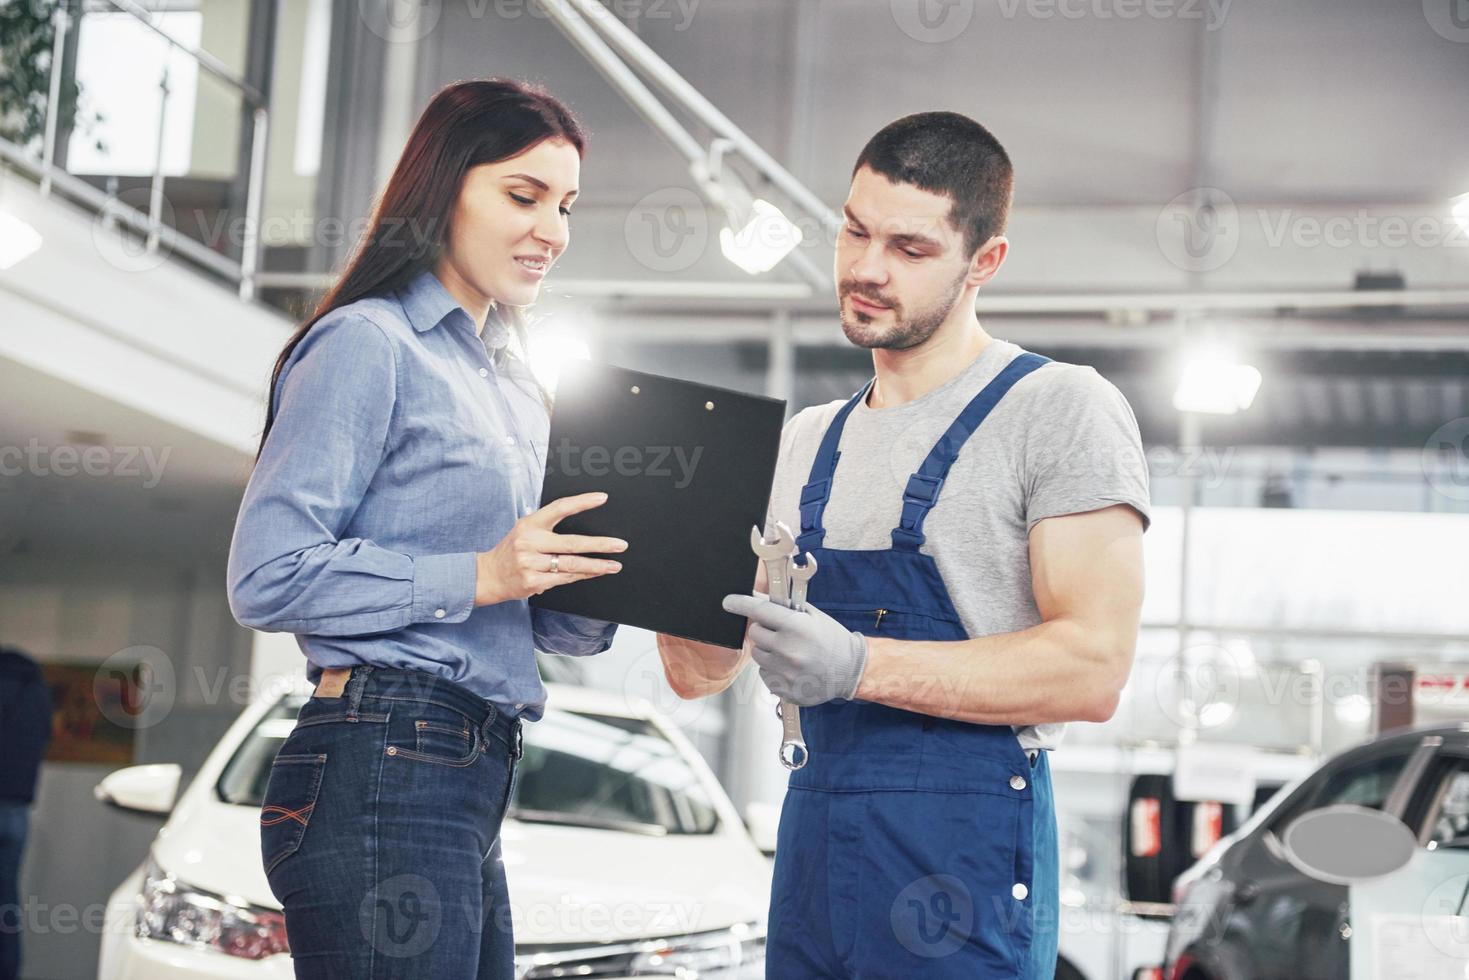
173	912
736	953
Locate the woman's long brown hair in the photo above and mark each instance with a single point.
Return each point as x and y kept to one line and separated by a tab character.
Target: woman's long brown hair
465	125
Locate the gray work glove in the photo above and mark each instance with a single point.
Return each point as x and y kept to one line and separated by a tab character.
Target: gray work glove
805	657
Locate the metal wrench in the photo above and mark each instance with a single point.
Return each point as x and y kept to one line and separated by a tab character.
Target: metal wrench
777	556
800	575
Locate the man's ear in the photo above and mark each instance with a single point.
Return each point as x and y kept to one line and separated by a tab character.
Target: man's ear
987	260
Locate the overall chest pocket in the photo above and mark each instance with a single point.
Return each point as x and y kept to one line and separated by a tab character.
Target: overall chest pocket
290	799
894	620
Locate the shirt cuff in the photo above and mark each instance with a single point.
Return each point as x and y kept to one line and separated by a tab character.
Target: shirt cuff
443	587
570	635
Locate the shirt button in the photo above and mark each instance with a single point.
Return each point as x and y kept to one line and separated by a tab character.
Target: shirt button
1020	891
438	614
484	373
519	705
509	440
1017	782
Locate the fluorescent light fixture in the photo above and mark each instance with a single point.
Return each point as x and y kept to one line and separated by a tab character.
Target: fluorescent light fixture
18	240
1460	211
549	355
766	238
1216	385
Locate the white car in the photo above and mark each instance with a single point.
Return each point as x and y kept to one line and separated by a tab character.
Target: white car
624	855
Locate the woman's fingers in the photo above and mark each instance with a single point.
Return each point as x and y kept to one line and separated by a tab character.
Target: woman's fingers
580	566
584	544
550	580
560	509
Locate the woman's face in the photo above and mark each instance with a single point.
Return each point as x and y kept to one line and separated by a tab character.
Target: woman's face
511	222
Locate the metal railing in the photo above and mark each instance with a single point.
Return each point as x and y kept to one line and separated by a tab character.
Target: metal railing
150	223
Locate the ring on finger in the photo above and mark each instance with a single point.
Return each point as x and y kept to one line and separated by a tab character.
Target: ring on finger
555	564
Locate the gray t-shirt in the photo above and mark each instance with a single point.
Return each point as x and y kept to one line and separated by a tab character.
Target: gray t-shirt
1063	441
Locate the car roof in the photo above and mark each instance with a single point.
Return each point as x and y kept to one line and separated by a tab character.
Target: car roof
592	700
1451	734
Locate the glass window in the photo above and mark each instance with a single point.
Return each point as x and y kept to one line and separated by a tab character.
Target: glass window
1364	784
243	780
1450	815
607	771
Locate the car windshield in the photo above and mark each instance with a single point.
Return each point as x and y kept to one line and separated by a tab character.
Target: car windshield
578	768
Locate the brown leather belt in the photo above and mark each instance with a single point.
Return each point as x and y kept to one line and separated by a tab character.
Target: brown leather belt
333	682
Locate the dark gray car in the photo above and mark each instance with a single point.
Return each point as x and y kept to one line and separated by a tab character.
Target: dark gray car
1248	911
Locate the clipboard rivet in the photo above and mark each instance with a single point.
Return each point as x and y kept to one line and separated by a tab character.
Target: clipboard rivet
709	406
636	390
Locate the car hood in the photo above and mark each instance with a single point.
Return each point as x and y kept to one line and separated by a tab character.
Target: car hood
573	884
567	884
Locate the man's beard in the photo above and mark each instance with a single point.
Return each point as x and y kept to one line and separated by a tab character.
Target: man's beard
906	331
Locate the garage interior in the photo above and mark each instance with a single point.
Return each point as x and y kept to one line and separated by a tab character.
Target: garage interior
1200	190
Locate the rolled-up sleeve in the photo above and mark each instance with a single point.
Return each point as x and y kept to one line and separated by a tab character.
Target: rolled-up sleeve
570	635
290	568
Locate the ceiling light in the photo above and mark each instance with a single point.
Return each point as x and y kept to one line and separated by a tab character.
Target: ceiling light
763	241
18	240
1216	384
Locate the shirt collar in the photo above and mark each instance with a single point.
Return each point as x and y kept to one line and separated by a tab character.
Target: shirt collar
427	303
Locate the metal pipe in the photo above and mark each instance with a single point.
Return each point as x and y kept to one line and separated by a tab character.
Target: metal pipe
570	19
60	23
780	371
103	203
206	60
254	195
1035	303
677	87
155	188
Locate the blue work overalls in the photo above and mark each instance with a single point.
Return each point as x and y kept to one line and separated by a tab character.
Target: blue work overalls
910	846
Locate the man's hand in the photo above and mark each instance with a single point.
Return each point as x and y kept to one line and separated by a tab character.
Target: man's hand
805	657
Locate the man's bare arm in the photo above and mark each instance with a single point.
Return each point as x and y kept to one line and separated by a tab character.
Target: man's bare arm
1087	576
698	670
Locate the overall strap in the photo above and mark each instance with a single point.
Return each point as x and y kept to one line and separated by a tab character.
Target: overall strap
817	490
922	491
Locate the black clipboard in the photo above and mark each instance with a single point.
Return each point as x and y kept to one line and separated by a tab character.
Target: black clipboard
687	469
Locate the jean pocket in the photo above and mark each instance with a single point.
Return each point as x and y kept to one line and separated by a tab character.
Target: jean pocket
446	739
290	798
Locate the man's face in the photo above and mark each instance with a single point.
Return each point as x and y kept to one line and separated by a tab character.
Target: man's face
900	264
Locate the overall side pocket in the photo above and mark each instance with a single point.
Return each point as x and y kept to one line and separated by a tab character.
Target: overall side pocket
290	798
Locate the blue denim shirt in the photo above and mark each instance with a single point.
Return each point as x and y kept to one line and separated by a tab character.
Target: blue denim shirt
403	443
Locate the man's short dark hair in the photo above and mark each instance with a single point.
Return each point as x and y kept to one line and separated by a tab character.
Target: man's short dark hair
950	154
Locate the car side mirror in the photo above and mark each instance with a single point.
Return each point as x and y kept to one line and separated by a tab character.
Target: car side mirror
141	789
1346	843
763	822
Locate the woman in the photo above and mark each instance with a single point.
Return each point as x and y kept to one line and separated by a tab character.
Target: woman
391	523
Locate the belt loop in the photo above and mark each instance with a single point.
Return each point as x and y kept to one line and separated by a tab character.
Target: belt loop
488	724
355	685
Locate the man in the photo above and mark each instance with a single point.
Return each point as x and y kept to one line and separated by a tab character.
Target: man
25	728
976	513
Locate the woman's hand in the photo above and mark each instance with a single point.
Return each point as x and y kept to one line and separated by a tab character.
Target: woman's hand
520	565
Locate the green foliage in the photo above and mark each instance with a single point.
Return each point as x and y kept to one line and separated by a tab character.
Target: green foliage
27	33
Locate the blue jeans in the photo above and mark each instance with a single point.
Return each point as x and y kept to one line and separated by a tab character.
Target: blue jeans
380	831
14	822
